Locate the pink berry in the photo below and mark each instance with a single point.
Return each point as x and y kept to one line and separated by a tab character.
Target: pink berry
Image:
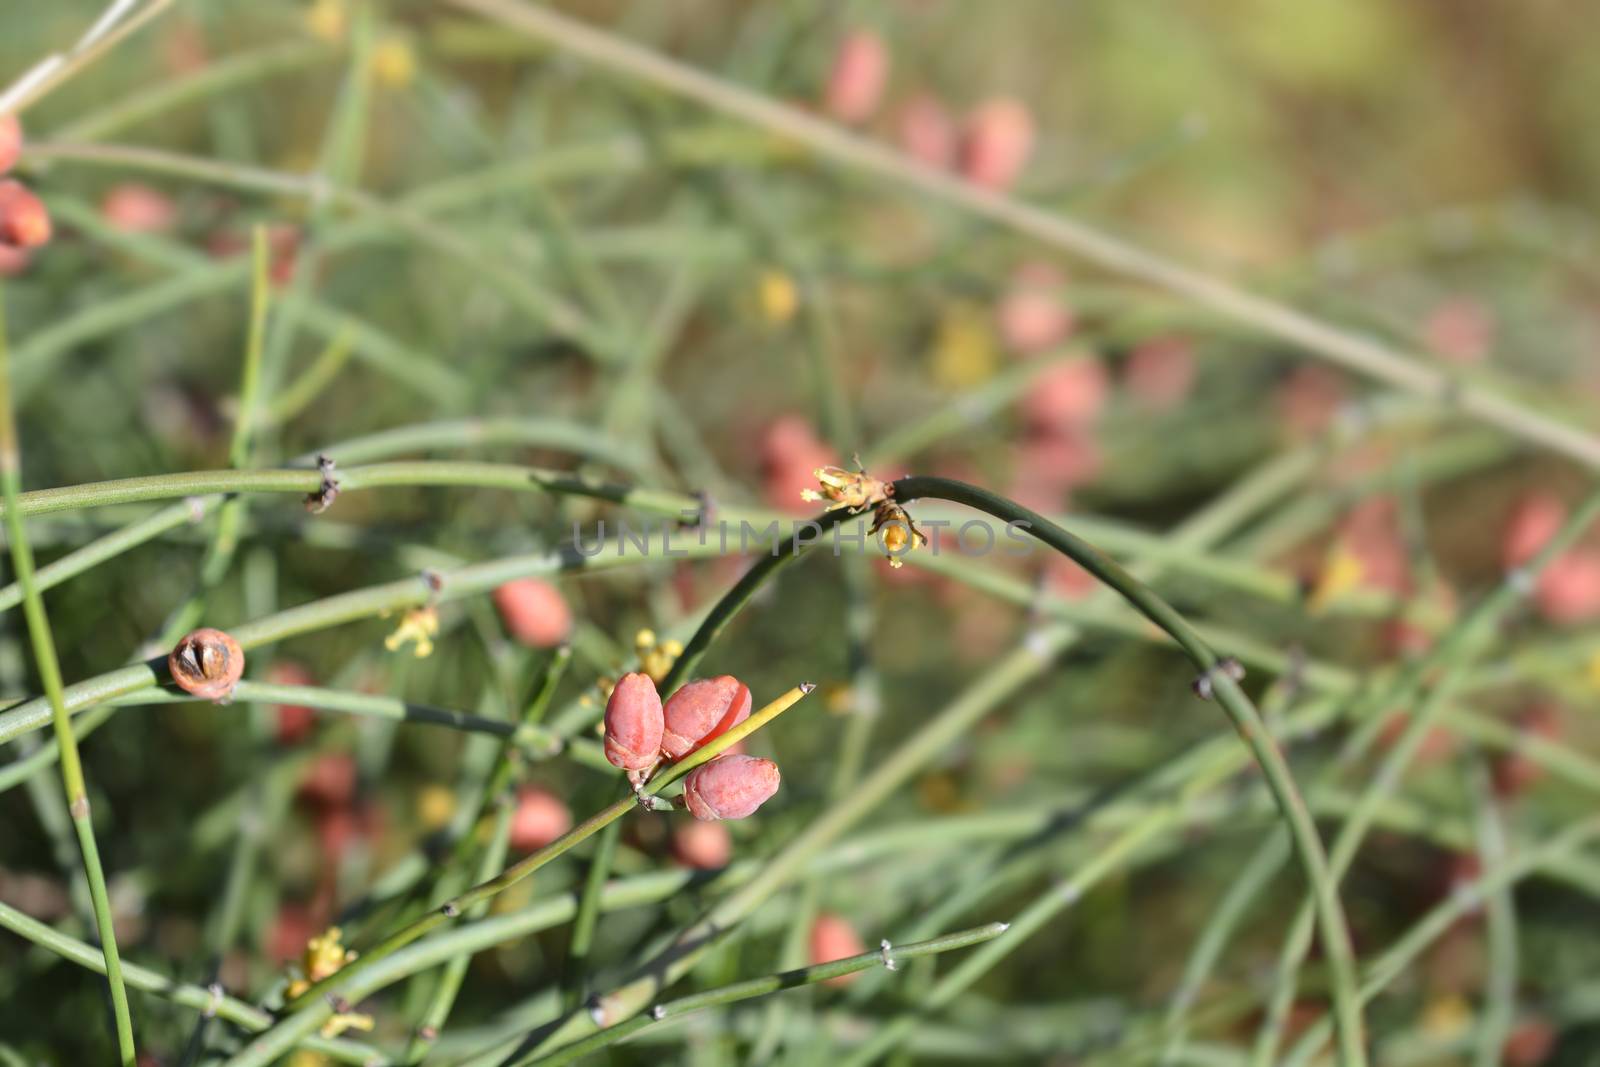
860	72
996	143
295	721
833	938
730	787
633	723
1460	330
135	208
539	819
1159	373
926	131
1308	399
790	455
1569	587
705	846
534	611
13	261
1032	315
1537	517
10	141
702	711
330	780
24	221
1530	1042
1066	396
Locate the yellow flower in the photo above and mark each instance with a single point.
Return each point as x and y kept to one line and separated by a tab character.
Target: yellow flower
1446	1017
435	805
895	531
394	62
327	19
656	658
778	296
1342	573
964	352
1592	669
418	626
853	490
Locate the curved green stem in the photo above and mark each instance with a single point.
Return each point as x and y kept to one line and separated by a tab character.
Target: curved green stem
1303	832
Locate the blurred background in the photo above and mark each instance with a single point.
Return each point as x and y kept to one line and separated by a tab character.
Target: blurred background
467	223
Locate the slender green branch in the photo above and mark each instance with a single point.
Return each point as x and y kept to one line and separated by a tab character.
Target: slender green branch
1214	676
44	653
888	957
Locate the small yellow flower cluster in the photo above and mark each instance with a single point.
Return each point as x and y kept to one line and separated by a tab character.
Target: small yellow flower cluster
656	657
855	492
419	626
327	20
324	956
778	296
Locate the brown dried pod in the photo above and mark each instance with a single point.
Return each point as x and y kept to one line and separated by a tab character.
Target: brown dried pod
730	787
702	711
633	723
207	663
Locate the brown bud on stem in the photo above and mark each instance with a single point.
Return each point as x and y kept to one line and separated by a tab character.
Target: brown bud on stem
207	663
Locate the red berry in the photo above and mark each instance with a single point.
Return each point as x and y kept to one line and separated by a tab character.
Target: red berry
833	938
1069	395
996	143
330	780
1537	517
24	220
790	456
1308	399
704	846
634	723
295	721
1032	315
926	131
10	141
1569	587
702	711
860	72
1514	771
730	787
1460	330
534	611
540	818
134	208
1529	1043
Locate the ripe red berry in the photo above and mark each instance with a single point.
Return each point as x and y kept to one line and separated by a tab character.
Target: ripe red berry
534	611
135	208
1569	587
10	141
330	780
926	131
702	711
1032	314
790	455
1535	519
730	787
996	143
24	220
295	721
1071	394
705	846
860	72
833	938
634	723
540	818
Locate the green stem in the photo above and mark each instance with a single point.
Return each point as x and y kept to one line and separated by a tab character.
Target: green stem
44	653
760	987
1303	832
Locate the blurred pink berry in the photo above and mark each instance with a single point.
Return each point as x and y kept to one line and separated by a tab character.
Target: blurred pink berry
730	787
1308	399
134	208
13	261
1160	373
534	611
860	72
330	780
996	143
1371	532
705	846
926	131
1066	396
1530	1042
10	141
1459	330
1514	771
701	711
539	819
24	220
1535	519
833	938
790	455
1569	587
1067	579
633	723
295	721
1056	461
1032	315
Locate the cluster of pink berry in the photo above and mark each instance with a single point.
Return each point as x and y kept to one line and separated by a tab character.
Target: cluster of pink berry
24	222
989	149
641	732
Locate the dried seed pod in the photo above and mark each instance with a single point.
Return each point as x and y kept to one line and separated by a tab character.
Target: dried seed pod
730	787
24	221
207	663
10	141
633	723
701	711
